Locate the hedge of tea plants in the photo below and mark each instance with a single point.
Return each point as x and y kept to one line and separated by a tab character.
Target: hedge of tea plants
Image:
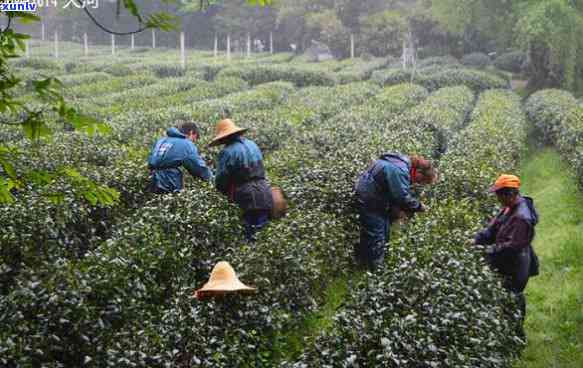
558	117
435	77
436	303
514	61
301	77
477	60
95	286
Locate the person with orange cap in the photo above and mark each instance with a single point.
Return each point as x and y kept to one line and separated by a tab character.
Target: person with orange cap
240	175
382	191
509	235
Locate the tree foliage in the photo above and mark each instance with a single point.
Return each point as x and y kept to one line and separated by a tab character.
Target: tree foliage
383	33
548	30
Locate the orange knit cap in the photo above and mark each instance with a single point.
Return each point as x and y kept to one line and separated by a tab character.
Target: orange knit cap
505	181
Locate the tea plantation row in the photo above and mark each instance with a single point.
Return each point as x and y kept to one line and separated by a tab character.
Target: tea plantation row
559	117
91	286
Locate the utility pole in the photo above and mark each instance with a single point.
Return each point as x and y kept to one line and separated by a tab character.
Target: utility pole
56	44
182	51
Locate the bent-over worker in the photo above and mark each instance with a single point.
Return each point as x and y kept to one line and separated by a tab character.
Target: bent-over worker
169	153
241	176
385	188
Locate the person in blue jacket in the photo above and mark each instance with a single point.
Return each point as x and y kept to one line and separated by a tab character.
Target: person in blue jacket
169	153
383	192
241	176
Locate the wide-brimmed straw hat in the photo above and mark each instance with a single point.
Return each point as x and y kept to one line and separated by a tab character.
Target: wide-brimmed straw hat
223	280
225	128
505	181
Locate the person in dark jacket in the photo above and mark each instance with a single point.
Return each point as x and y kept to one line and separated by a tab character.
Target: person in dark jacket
509	235
169	153
241	176
383	191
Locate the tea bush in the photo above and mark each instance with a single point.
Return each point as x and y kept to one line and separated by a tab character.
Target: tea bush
474	79
558	115
511	61
446	109
151	96
299	76
477	60
360	71
436	77
107	86
167	71
84	78
44	64
436	303
492	144
443	61
117	70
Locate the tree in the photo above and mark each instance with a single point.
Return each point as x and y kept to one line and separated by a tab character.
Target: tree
551	32
326	27
238	20
383	33
547	30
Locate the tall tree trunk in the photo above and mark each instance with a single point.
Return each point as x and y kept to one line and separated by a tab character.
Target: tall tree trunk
540	70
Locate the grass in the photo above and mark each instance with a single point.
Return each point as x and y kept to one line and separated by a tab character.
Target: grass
554	323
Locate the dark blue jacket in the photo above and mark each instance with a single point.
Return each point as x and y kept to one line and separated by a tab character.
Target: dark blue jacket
386	184
241	176
168	154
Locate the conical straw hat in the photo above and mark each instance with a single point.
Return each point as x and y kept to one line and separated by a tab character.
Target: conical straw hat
223	280
224	129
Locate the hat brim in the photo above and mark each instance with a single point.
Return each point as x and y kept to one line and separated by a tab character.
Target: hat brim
206	293
493	189
216	140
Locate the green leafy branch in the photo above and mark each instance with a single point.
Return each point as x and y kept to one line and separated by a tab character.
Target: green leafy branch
34	123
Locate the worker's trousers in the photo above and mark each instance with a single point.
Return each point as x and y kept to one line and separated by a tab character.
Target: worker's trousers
254	220
374	235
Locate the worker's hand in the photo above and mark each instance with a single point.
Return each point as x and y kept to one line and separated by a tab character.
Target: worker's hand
470	242
423	208
490	250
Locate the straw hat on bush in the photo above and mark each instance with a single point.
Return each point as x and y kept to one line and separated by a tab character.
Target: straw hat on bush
223	280
224	129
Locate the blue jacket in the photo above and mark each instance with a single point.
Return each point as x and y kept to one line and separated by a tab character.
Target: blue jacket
387	183
241	176
168	154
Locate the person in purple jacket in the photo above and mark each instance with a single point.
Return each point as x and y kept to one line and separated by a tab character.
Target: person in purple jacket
509	235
